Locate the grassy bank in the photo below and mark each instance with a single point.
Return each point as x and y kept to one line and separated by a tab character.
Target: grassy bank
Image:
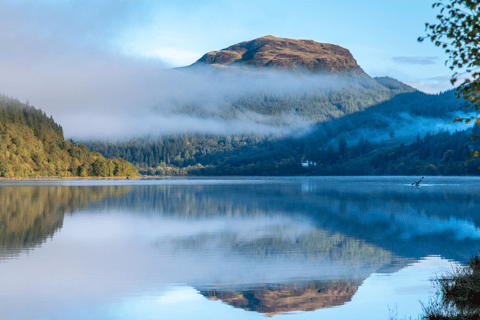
458	295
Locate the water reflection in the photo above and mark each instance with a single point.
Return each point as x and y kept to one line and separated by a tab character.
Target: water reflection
269	246
272	300
412	222
31	214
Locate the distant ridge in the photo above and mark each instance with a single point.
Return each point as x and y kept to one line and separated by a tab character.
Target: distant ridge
282	53
394	84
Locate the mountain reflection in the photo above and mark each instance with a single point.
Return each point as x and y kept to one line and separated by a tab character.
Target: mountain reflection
273	300
317	253
411	222
276	241
269	246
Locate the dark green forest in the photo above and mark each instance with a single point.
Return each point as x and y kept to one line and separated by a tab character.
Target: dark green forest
32	145
440	153
344	146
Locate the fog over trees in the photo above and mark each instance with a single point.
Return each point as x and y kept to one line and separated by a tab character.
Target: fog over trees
410	134
32	145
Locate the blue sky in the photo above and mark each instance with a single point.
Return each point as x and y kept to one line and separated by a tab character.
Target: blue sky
101	68
381	35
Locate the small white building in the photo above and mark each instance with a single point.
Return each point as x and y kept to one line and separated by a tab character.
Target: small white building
308	163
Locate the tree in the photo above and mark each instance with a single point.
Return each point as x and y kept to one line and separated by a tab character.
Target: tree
458	32
342	145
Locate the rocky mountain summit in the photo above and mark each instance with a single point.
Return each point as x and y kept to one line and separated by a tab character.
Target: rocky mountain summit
282	53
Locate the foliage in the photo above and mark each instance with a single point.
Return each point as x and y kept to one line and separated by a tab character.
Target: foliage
32	144
14	112
458	32
165	155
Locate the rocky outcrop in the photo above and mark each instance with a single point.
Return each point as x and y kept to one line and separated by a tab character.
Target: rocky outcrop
282	53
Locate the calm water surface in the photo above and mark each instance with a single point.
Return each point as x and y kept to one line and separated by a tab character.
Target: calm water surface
244	248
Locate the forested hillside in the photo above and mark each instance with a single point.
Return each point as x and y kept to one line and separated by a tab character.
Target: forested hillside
169	153
32	144
434	154
323	98
440	153
380	140
177	154
403	115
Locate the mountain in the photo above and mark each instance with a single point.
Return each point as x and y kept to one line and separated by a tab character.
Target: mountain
289	81
282	53
341	118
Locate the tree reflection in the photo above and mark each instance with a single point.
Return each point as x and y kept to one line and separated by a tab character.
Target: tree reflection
31	214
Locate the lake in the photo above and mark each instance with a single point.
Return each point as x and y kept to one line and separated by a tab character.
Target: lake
231	248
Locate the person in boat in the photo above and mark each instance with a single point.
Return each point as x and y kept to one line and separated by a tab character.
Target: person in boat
417	183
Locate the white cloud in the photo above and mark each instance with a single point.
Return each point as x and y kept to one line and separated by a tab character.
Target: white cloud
415	60
435	84
431	86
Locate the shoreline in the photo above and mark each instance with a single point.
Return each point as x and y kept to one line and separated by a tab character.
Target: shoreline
73	178
146	177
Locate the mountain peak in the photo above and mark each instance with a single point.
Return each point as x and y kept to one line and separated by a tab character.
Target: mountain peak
283	53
